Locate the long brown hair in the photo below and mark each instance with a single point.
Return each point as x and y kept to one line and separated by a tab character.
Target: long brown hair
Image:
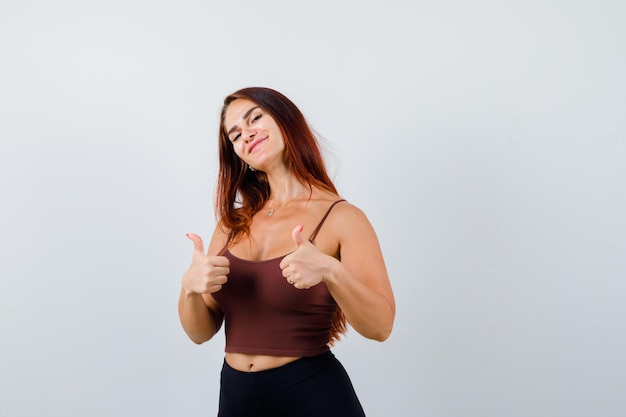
242	192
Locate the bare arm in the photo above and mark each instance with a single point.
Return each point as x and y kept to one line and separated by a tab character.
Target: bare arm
200	315
358	281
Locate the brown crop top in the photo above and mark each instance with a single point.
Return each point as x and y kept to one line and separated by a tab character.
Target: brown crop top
265	315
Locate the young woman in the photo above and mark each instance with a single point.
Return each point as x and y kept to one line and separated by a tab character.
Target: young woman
289	263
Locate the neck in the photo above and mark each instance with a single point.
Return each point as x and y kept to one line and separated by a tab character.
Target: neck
285	189
283	192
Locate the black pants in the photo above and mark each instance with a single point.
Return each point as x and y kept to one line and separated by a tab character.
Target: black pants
316	386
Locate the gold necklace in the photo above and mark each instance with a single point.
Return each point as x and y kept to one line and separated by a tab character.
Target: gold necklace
271	212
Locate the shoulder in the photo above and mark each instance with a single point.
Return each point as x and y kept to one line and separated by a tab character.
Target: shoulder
219	238
344	207
355	234
341	215
345	216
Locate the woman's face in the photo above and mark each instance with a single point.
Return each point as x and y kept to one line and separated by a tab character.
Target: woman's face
254	134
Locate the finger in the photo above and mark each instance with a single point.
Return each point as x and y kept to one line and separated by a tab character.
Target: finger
198	245
215	285
220	280
219	261
296	234
285	262
285	273
300	286
220	270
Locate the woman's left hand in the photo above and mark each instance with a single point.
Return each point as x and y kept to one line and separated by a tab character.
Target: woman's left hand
306	266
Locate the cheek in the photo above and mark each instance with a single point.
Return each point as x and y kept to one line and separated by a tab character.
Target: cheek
281	145
238	149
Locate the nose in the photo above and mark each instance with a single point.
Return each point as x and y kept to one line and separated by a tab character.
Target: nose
248	134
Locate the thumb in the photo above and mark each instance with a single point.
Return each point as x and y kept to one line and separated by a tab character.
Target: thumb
198	245
296	235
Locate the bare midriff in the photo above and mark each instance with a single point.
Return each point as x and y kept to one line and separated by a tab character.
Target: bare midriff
254	363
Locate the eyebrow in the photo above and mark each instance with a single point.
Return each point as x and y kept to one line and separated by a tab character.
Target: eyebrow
244	117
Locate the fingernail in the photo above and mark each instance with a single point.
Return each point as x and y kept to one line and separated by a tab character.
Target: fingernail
301	227
187	234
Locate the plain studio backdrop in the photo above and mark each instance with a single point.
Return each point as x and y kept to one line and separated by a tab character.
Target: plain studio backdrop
485	140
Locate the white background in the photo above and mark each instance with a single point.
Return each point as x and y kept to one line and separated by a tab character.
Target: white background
485	140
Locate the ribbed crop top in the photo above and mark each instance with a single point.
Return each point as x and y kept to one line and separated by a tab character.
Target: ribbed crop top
265	315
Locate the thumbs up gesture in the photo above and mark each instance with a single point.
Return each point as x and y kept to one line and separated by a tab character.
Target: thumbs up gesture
306	266
206	274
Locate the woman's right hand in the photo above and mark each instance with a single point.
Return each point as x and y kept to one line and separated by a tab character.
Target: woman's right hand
206	274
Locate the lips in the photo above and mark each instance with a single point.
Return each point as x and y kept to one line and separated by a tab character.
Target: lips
254	143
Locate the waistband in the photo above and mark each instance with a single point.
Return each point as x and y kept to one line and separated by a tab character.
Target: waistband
277	378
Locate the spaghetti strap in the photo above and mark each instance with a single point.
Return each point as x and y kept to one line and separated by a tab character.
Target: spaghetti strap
225	247
319	226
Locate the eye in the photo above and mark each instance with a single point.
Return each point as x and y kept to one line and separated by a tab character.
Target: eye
234	138
257	117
